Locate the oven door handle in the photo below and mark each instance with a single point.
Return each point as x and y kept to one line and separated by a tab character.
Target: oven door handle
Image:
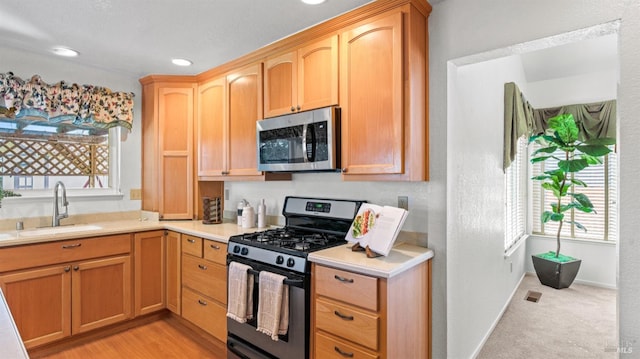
287	281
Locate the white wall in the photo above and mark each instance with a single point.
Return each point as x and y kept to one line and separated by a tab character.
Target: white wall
475	202
24	65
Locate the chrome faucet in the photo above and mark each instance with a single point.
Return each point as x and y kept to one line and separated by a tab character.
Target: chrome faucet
56	201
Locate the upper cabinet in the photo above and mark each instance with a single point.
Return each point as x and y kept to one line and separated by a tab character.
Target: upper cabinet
167	146
302	79
228	108
383	95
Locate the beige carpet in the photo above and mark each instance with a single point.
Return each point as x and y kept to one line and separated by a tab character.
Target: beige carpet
576	322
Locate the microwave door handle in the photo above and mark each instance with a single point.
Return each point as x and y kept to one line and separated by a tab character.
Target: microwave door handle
304	142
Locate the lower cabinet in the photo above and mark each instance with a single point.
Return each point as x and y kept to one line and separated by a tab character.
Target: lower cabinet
54	302
204	285
149	274
173	284
361	316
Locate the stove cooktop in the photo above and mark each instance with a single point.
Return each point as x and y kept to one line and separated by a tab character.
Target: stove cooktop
290	240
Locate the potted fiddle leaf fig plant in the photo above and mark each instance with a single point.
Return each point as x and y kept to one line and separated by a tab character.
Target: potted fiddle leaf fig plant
560	144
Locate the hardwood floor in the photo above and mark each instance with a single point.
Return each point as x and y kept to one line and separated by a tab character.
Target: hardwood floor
159	339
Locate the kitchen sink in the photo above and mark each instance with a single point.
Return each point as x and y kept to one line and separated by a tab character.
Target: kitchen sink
59	230
5	236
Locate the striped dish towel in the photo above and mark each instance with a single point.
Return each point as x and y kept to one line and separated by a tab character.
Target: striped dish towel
240	293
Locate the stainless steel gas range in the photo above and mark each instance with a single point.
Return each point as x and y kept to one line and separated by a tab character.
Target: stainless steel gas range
311	224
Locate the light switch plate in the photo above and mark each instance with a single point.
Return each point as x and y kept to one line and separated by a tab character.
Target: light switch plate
135	193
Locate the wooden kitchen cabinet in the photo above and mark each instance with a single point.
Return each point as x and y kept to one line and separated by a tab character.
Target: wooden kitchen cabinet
303	79
383	96
173	268
204	285
149	251
57	289
167	145
360	316
228	108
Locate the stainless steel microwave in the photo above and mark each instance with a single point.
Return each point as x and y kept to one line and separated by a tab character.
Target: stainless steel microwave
303	141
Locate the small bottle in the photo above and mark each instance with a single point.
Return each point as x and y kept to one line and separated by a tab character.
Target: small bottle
241	206
262	214
248	217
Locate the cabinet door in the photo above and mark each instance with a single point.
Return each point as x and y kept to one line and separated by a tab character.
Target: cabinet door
175	115
149	272
371	97
101	293
211	128
244	89
318	74
280	85
40	303
173	271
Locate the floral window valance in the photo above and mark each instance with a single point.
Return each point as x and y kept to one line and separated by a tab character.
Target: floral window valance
84	106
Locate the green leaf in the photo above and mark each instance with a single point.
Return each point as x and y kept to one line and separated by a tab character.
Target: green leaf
565	127
540	159
582	199
578	182
546	216
605	141
557	217
553	188
594	150
578	225
574	165
591	160
550	149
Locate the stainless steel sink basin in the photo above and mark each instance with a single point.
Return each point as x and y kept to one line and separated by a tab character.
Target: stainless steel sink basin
58	230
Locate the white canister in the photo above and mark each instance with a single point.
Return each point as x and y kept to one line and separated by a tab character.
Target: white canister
248	217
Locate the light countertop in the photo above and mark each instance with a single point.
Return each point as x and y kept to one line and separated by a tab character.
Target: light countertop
403	256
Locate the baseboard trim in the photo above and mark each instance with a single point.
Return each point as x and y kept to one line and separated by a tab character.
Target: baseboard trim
495	322
587	282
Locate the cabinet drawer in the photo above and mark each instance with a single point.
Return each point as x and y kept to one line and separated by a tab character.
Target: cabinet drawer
192	245
347	322
205	313
215	252
357	289
333	348
205	277
35	255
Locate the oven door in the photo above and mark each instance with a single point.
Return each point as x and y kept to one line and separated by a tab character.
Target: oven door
244	341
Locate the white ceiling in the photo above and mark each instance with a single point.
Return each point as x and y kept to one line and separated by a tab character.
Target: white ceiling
140	37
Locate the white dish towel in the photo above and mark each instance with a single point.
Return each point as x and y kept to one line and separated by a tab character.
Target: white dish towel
240	293
273	305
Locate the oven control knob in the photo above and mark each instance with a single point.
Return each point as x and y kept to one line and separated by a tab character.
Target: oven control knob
236	249
290	262
244	251
279	259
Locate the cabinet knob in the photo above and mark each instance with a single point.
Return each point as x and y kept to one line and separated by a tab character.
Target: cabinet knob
298	107
293	109
67	269
76	268
344	170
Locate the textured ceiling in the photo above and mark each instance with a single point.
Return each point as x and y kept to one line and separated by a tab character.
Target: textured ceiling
140	37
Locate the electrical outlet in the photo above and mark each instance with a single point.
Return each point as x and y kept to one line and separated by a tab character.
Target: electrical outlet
403	202
226	194
135	193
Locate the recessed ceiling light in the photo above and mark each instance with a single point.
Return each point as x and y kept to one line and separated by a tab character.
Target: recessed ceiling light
65	51
181	62
313	2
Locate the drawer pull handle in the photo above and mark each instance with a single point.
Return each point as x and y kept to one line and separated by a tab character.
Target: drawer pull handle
68	246
344	354
203	267
217	248
343	279
202	302
191	240
345	317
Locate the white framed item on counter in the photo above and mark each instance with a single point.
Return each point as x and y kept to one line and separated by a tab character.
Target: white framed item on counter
376	228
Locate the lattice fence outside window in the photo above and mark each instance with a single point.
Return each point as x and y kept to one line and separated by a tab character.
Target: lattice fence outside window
47	157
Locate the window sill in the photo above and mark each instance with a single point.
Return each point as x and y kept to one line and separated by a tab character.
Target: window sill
573	240
71	196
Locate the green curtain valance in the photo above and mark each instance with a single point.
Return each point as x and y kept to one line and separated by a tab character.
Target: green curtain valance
85	106
595	120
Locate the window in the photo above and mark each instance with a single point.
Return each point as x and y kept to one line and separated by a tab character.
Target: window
35	156
601	190
515	196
